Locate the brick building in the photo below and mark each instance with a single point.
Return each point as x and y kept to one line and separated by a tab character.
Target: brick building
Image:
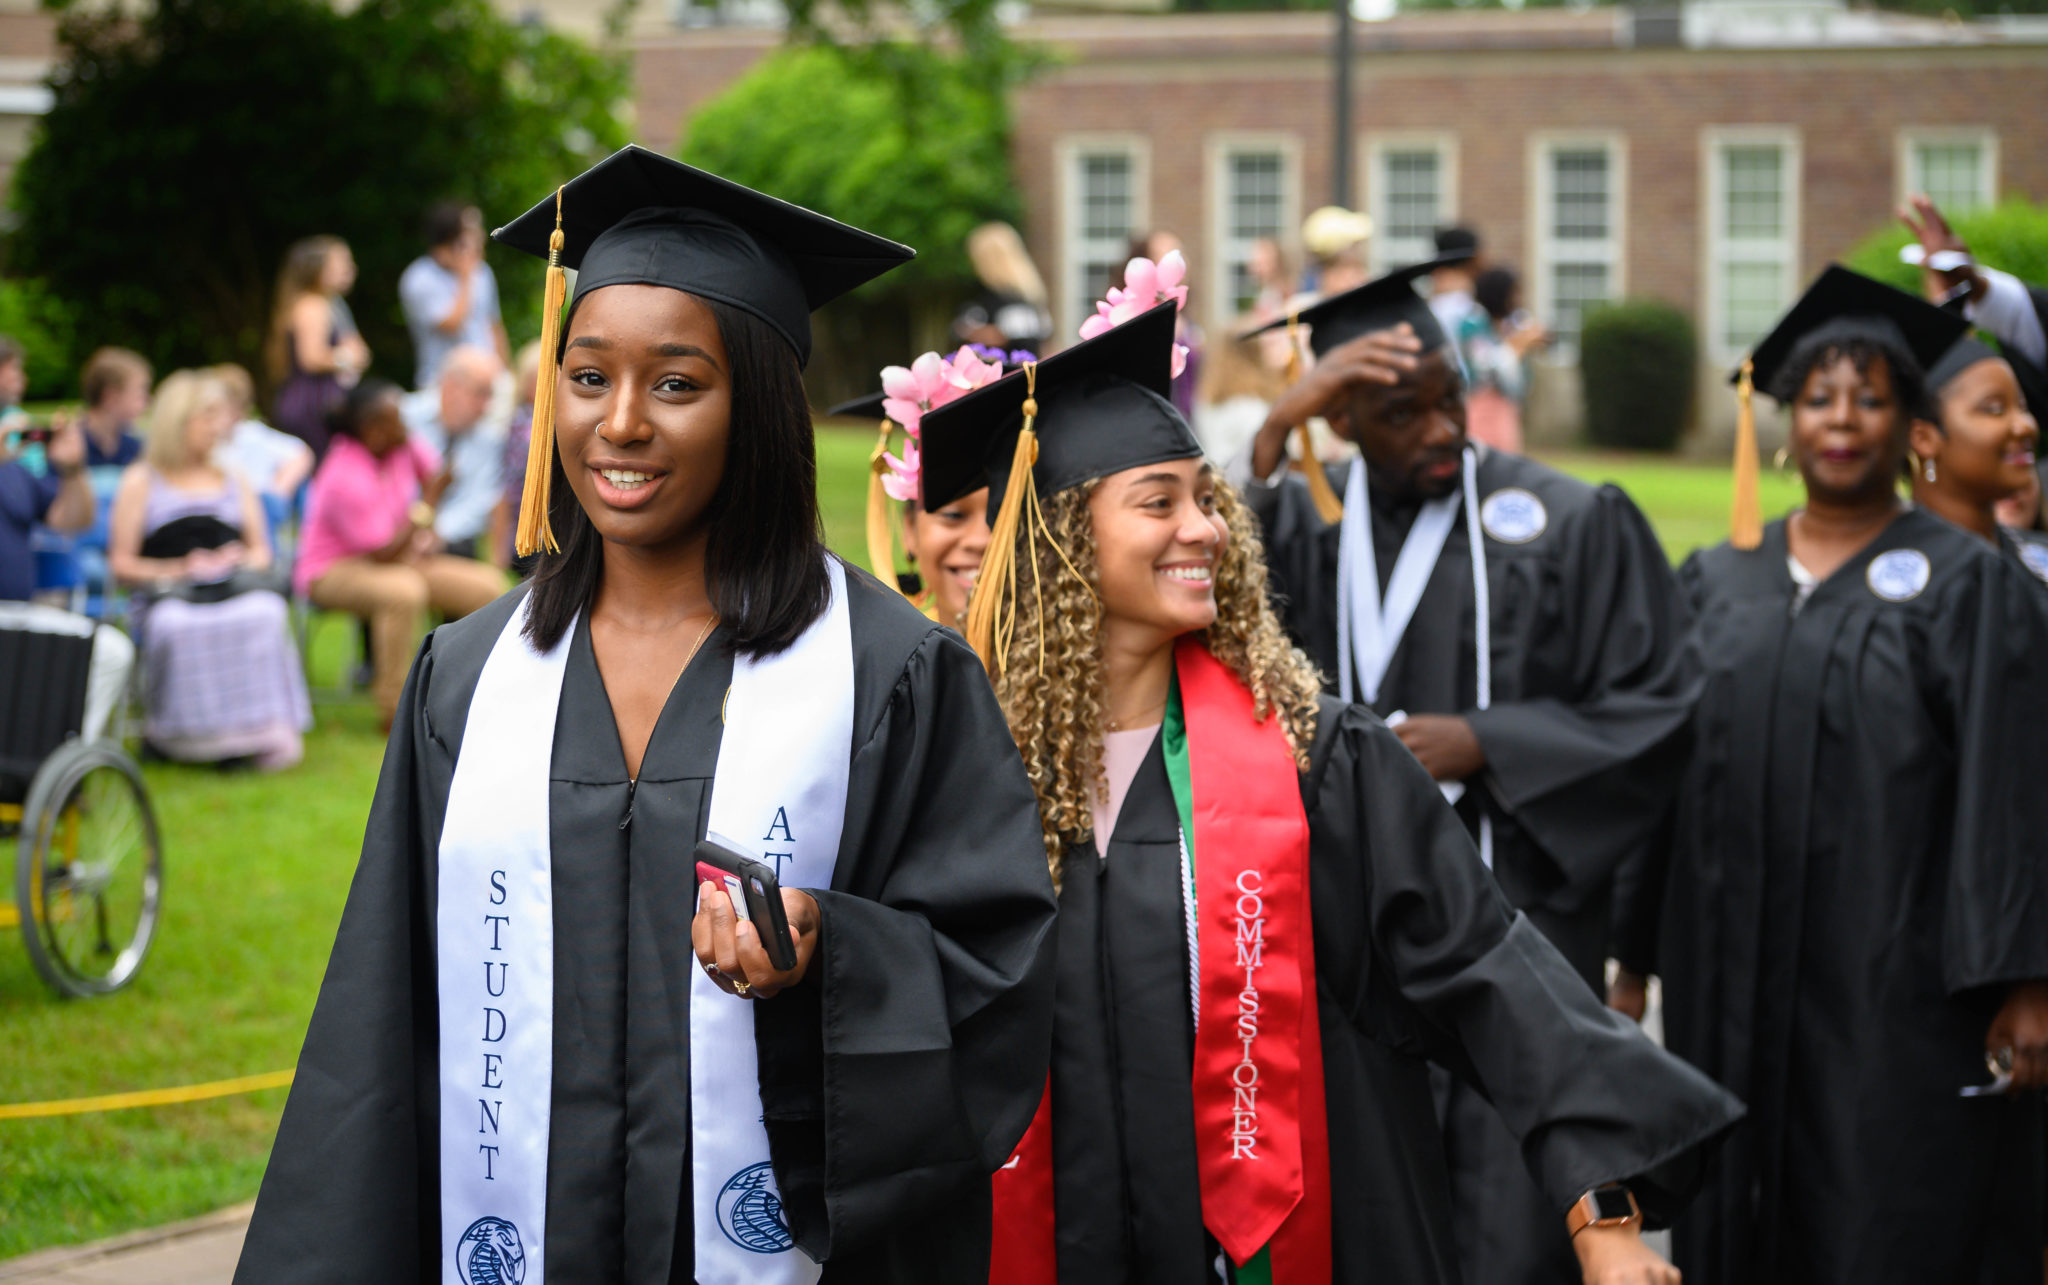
1713	156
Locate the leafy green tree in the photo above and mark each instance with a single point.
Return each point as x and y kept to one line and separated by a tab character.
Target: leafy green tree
902	140
2013	235
188	148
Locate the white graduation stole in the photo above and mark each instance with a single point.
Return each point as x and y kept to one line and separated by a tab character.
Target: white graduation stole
494	938
782	773
780	795
1368	633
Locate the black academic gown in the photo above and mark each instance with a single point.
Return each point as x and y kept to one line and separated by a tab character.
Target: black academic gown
895	1078
1583	738
1417	955
1856	878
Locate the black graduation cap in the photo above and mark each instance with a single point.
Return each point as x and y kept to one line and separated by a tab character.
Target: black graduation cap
1968	351
1102	407
868	407
1380	304
639	218
1853	303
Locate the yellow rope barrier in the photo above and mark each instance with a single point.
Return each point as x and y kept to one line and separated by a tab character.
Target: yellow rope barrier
146	1097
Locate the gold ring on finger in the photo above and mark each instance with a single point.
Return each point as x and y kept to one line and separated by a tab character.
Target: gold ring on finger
742	989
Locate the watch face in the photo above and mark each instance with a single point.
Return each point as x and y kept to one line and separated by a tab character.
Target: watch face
1612	1203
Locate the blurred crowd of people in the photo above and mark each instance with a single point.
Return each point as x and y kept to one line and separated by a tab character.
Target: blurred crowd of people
199	526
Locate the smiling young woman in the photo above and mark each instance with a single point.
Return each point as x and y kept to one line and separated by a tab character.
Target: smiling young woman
1267	913
552	1042
1979	449
1855	914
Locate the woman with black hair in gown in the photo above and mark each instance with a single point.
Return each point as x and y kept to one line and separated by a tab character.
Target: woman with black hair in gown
545	1051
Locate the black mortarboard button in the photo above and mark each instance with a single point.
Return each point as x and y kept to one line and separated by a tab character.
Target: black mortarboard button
1102	407
1380	304
639	218
1853	302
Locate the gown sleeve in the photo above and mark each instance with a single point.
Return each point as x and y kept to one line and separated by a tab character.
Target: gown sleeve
353	1178
1989	666
1589	775
1640	880
919	1044
1588	1096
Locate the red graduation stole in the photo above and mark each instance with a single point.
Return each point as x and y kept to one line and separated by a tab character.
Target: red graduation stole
1262	1136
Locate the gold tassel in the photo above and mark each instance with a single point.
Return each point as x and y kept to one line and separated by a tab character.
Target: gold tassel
535	531
1320	492
881	544
1745	513
992	611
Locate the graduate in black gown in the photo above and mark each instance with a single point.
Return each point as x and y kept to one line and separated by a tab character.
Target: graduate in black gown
900	1058
1978	449
1856	910
1562	750
1179	741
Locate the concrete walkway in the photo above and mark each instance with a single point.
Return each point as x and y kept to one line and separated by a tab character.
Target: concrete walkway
199	1252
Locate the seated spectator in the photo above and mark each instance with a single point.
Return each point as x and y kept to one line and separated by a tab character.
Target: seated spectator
452	420
222	679
518	440
115	382
58	498
368	545
275	464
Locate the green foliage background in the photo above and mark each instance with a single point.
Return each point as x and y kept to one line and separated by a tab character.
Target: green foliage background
188	148
1638	362
2012	235
903	140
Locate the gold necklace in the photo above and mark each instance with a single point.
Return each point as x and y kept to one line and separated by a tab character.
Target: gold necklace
1117	725
702	634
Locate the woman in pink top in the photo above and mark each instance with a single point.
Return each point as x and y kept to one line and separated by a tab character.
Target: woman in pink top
369	546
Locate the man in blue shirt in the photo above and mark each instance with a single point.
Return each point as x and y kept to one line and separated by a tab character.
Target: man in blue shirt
448	294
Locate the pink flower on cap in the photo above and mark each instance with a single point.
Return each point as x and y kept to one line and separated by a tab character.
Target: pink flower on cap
901	481
1146	286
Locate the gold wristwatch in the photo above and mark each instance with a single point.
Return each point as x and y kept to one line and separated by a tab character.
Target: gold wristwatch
1611	1206
421	513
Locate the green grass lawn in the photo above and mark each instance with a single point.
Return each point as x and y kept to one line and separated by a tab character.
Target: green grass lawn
256	873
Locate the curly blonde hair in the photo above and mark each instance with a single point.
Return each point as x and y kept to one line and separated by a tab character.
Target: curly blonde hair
1052	688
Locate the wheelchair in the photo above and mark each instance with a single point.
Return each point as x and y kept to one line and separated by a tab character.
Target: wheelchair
88	866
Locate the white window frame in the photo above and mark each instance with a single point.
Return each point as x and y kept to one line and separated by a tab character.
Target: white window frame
1546	251
1223	254
1717	249
1073	302
1373	153
1913	137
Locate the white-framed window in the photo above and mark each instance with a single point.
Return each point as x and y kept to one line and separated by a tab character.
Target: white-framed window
1105	196
1957	167
1411	190
1579	192
1254	195
1752	184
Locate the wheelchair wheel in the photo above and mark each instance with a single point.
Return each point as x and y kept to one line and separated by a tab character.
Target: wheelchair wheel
88	872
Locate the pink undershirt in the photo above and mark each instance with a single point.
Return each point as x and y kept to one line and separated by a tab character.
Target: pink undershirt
1122	754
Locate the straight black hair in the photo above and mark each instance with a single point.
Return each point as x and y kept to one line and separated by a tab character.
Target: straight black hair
1861	343
764	564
